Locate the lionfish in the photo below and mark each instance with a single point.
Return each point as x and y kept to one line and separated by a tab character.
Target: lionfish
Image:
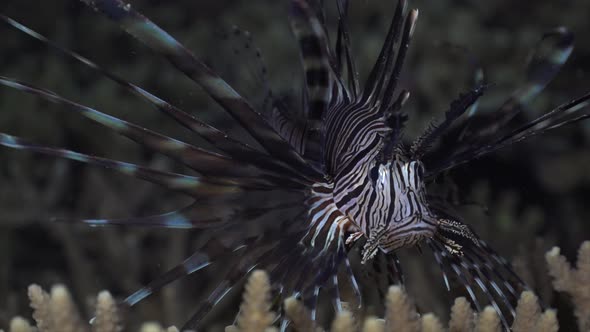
331	177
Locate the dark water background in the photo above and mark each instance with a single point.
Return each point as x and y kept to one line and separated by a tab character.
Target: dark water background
536	193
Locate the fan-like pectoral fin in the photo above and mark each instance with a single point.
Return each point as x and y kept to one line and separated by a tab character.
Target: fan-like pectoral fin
371	246
448	229
458	228
459	252
230	100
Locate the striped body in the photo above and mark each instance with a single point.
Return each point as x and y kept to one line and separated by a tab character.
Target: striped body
389	205
384	199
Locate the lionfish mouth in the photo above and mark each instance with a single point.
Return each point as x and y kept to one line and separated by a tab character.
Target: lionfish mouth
411	231
371	247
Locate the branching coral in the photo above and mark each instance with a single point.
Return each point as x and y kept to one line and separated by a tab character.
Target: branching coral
488	321
155	327
18	324
56	311
462	316
401	315
107	318
255	314
373	324
344	322
529	316
431	323
299	315
575	282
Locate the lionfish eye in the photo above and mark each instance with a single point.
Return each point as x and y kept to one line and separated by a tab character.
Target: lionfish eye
420	170
374	174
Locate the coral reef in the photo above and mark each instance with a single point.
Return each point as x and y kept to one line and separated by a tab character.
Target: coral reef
56	312
575	282
255	314
401	316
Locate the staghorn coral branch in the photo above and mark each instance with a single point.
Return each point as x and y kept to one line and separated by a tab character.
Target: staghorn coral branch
64	312
431	323
107	319
255	314
40	305
488	321
528	312
344	322
400	314
19	324
462	316
373	324
547	322
575	282
57	313
155	327
560	269
299	315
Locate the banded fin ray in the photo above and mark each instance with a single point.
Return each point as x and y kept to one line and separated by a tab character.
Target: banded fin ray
242	61
246	263
392	78
315	57
477	76
292	129
284	117
562	115
343	49
191	185
547	58
164	44
196	262
444	260
198	215
248	253
541	69
471	276
236	149
458	107
201	160
475	264
383	65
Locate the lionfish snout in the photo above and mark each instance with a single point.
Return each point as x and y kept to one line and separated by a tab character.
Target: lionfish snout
405	233
401	217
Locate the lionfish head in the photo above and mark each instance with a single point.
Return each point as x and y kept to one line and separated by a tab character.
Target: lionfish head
404	217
